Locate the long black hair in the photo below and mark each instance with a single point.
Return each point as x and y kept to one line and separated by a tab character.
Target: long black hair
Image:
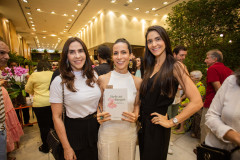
66	69
164	77
104	52
141	66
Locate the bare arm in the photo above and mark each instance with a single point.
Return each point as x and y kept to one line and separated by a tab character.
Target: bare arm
232	136
132	117
61	131
216	85
191	92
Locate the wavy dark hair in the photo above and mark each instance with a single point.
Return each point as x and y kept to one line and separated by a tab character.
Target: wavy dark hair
104	52
164	77
141	67
43	65
66	69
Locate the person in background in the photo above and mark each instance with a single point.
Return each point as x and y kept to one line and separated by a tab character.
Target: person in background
78	81
223	117
117	139
180	53
194	122
140	69
162	76
216	74
38	86
10	127
132	64
104	57
96	63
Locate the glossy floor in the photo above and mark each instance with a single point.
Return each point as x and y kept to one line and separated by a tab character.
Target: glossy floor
28	150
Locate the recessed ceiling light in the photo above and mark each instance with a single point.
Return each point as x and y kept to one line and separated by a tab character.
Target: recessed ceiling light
65	15
137	8
113	1
79	4
75	10
153	9
53	12
64	31
70	19
43	37
165	3
39	10
156	15
147	12
129	1
29	13
25	1
31	21
53	35
66	26
72	15
33	25
30	17
33	28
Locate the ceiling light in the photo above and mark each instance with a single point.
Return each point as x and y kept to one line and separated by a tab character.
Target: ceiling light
129	1
134	19
6	20
113	1
153	9
72	15
25	1
33	25
165	3
137	9
66	26
65	15
53	35
39	10
221	35
33	28
147	12
53	12
31	21
69	19
165	16
43	37
156	15
29	13
79	4
30	17
75	10
44	31
64	31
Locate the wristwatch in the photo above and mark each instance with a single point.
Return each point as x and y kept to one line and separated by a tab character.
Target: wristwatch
175	120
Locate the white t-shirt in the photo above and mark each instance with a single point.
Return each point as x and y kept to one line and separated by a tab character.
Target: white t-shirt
78	104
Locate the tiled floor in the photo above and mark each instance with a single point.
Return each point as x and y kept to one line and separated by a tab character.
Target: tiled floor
28	150
30	141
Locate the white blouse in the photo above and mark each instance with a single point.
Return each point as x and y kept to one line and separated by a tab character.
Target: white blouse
78	104
224	115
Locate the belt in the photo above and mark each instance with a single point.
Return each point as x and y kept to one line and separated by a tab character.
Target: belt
90	116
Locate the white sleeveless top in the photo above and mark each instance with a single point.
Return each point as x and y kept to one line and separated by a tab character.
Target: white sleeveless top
118	80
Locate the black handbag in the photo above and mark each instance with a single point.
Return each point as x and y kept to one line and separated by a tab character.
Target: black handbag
205	152
54	144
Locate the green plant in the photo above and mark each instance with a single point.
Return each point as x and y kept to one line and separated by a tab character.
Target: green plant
198	24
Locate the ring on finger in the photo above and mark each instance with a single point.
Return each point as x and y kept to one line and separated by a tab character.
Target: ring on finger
101	117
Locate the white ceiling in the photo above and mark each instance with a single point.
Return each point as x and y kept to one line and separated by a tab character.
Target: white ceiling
16	11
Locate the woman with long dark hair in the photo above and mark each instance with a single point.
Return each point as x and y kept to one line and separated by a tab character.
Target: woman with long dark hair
162	76
78	134
140	68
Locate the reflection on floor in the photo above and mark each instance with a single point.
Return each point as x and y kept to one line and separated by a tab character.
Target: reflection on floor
28	150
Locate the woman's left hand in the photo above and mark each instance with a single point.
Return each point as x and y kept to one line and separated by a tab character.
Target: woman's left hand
161	120
130	117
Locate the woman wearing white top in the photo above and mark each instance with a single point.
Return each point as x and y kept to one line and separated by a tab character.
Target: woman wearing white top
117	139
223	117
78	134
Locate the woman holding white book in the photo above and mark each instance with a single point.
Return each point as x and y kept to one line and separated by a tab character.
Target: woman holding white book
117	138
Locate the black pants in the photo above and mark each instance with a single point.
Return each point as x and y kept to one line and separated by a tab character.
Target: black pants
26	115
45	122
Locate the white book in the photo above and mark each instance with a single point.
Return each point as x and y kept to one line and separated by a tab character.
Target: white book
115	102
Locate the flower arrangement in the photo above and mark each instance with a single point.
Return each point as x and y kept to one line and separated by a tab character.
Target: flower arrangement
16	82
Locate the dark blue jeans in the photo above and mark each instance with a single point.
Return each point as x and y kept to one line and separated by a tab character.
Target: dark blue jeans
3	145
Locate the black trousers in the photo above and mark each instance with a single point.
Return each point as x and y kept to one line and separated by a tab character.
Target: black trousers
26	115
45	122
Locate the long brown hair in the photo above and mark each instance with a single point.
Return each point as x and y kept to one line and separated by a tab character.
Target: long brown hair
164	77
66	69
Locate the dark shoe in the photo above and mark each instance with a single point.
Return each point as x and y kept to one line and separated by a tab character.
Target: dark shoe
43	149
